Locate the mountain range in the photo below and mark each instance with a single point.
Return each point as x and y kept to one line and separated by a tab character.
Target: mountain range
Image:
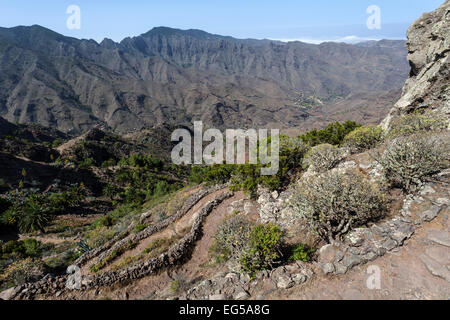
171	76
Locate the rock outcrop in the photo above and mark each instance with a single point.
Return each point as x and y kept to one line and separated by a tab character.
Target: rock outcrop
428	86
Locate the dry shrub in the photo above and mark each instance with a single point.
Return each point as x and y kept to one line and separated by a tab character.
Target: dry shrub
413	123
323	157
23	271
363	138
231	238
407	160
336	201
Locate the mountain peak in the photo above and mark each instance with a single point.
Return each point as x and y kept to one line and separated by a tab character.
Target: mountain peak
167	31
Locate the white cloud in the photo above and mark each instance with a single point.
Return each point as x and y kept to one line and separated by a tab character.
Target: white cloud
347	39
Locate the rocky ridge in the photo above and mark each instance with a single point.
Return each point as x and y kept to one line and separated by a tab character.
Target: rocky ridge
428	53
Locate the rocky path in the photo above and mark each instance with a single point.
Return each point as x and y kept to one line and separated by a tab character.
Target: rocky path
420	269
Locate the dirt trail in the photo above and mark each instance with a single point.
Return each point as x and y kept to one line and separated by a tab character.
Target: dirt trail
193	270
48	239
69	144
200	255
174	229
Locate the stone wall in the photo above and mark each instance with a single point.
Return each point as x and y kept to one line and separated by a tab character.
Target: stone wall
124	238
176	254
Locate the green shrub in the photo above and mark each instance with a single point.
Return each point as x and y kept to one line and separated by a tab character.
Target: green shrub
56	143
111	191
247	177
33	214
334	202
264	248
333	134
299	252
215	174
174	286
323	157
139	228
32	247
22	248
13	247
363	138
108	163
407	160
161	188
86	163
414	123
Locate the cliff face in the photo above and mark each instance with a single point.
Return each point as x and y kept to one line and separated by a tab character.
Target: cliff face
428	86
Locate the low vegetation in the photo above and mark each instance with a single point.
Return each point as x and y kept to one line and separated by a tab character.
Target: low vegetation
332	201
250	247
31	211
415	123
407	160
323	157
335	202
363	138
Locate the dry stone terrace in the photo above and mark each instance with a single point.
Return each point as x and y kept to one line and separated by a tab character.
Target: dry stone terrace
361	246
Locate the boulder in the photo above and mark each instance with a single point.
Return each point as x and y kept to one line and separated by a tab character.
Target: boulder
10	293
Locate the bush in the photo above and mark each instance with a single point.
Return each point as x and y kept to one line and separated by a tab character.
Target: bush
363	138
299	252
108	163
323	157
111	191
407	160
56	143
86	163
231	239
291	152
139	228
334	202
215	174
22	248
31	214
23	271
161	188
333	134
32	247
264	248
414	123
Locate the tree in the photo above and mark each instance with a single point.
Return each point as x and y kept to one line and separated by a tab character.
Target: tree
110	191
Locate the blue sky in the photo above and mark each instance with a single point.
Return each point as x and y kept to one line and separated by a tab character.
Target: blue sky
307	20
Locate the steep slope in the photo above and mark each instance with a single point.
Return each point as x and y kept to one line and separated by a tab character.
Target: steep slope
428	54
170	76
